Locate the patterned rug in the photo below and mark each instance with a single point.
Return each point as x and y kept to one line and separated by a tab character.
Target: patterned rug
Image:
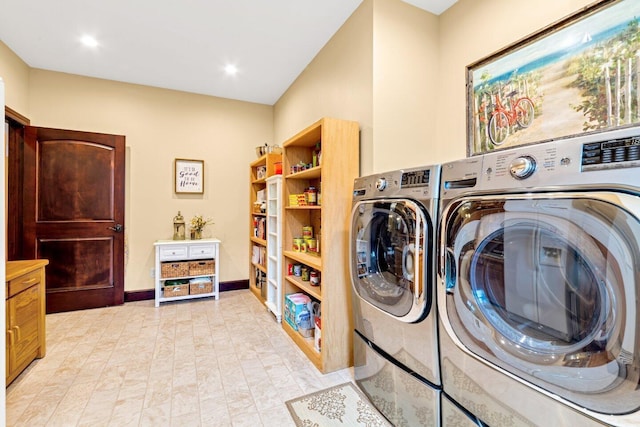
341	405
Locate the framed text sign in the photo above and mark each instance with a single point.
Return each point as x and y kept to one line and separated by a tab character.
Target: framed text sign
579	75
189	176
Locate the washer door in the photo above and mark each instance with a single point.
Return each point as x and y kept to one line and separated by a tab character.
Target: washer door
391	241
545	288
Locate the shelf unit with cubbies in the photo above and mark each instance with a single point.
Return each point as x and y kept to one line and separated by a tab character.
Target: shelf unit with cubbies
264	167
274	246
332	175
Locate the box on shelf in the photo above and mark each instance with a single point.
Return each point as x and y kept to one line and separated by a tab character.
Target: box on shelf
175	288
174	269
294	305
197	268
297	200
200	285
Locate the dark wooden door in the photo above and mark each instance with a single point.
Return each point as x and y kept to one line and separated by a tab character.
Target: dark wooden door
73	213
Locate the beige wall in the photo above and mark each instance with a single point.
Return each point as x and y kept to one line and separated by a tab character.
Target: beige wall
15	73
380	69
337	83
470	31
405	82
159	126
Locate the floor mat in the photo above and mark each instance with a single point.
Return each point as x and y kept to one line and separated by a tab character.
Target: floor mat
341	405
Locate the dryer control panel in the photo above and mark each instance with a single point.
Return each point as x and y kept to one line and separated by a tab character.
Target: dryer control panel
611	154
415	178
420	183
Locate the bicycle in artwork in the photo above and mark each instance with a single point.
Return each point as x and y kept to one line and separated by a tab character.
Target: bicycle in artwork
519	111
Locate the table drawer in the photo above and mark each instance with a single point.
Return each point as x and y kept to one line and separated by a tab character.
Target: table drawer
201	251
23	282
170	253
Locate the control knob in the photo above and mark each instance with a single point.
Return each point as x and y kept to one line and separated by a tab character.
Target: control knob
381	184
522	167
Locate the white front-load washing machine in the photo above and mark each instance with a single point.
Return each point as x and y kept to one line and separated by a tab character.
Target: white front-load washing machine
393	275
539	282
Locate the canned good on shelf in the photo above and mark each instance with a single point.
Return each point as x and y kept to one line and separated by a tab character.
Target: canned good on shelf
314	278
297	244
297	270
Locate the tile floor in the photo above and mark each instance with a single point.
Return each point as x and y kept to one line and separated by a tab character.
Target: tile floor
191	363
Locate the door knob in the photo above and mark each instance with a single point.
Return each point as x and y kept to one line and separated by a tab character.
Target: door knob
117	228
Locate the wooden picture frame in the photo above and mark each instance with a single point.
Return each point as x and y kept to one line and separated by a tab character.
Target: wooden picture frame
579	75
188	176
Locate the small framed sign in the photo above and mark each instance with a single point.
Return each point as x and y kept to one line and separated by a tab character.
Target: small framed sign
189	176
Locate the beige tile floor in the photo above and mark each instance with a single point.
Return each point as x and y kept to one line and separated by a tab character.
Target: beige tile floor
191	363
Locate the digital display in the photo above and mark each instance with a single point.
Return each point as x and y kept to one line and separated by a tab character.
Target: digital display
611	154
415	179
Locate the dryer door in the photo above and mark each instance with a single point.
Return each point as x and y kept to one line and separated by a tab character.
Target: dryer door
391	242
545	287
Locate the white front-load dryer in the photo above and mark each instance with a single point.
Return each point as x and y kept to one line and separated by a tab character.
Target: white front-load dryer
539	282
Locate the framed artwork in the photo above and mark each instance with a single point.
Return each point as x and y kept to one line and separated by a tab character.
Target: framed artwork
188	176
579	75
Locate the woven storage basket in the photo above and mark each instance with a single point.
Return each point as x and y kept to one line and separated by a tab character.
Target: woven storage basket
200	268
200	287
174	269
179	290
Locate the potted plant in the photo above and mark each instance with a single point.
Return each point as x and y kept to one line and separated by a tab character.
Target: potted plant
197	224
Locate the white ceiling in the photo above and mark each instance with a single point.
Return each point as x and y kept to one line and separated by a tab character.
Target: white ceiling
181	45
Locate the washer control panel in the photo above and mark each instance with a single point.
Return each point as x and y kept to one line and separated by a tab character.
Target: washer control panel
522	167
611	154
601	159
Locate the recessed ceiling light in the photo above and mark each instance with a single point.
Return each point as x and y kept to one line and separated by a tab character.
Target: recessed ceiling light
231	69
89	41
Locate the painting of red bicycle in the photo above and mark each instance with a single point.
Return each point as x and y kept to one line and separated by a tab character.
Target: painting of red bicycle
576	76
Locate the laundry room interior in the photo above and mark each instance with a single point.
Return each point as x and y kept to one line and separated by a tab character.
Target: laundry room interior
374	212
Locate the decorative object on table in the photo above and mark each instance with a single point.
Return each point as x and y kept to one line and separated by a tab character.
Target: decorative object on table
189	176
341	405
178	227
572	77
197	225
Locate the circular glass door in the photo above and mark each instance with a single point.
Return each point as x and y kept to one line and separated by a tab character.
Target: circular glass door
546	289
389	239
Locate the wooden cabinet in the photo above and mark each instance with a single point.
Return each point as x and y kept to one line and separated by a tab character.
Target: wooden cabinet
266	166
323	159
192	261
25	316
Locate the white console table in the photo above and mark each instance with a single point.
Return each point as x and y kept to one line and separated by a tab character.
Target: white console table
178	252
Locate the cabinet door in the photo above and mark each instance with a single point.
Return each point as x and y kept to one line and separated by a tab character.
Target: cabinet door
23	310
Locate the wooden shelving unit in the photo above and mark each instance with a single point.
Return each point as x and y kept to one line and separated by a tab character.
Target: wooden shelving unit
259	170
332	176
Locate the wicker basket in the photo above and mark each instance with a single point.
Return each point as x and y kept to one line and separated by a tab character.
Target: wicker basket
201	268
174	269
200	287
178	290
